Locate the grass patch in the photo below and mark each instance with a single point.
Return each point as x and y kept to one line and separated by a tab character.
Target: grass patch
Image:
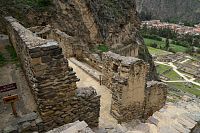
160	44
12	52
162	68
155	51
172	75
103	48
193	89
197	80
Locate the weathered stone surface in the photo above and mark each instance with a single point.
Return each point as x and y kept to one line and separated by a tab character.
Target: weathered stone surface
52	81
11	129
28	117
76	127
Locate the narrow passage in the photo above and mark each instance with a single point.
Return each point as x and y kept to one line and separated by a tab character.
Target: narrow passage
106	120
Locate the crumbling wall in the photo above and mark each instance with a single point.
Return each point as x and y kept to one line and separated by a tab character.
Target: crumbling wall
126	50
72	46
126	78
155	97
52	81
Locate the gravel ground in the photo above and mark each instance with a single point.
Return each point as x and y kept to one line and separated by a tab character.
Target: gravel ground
10	73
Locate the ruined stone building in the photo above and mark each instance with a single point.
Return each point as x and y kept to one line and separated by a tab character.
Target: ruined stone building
43	54
127	69
52	81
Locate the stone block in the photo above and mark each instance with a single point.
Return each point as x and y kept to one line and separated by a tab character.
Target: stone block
56	52
34	50
38	121
27	117
46	59
36	61
52	47
25	127
36	54
11	129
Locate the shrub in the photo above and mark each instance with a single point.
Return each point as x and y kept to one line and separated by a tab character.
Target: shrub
103	48
12	52
154	45
172	50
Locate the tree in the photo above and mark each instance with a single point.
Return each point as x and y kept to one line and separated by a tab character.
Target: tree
190	50
167	44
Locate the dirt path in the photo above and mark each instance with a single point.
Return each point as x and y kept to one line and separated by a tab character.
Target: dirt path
106	120
9	73
179	73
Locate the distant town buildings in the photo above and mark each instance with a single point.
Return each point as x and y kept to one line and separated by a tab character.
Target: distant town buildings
179	28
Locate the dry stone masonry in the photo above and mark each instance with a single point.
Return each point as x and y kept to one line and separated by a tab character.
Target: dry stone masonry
155	97
72	46
131	99
52	81
125	76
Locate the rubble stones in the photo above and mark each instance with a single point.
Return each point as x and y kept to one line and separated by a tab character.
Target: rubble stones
25	123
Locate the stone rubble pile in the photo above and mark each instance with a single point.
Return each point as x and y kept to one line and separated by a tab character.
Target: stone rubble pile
25	123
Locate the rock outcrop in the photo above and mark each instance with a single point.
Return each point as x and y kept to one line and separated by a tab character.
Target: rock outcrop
170	10
94	22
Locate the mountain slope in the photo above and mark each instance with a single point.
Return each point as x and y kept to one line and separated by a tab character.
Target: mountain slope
94	22
171	10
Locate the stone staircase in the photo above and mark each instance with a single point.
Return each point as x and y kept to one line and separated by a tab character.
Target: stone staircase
182	117
76	127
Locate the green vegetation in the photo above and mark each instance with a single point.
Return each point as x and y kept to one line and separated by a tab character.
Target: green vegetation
173	42
165	70
162	68
197	80
12	52
172	75
162	44
103	48
193	89
155	51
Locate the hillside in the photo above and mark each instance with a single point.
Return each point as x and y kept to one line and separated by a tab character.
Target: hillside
94	22
187	11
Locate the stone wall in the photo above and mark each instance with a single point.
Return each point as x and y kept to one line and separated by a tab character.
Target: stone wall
126	78
155	97
127	50
72	47
52	81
